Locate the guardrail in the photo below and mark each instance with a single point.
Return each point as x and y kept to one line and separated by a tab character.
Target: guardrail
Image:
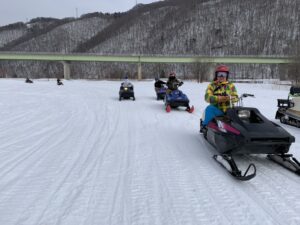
139	59
143	58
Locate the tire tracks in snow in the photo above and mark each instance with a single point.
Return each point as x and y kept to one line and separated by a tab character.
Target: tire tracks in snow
175	188
267	180
91	164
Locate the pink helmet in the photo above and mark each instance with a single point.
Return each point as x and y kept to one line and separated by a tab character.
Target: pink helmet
222	68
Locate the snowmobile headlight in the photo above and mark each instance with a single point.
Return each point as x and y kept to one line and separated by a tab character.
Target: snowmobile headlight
125	89
244	114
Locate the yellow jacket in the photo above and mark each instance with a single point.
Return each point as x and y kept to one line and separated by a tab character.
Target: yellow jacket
216	89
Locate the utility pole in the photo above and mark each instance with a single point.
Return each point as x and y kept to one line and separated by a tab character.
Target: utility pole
76	12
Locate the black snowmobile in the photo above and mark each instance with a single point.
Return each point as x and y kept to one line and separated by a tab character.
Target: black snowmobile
160	89
289	109
126	91
59	82
28	81
245	131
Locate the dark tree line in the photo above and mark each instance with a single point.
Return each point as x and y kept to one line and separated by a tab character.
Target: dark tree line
291	71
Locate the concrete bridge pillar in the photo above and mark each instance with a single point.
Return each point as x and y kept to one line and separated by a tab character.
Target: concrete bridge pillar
67	70
211	71
139	71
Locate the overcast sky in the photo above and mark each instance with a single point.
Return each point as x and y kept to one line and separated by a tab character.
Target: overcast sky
12	11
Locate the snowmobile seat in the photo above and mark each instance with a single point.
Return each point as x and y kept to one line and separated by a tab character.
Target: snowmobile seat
293	113
296	104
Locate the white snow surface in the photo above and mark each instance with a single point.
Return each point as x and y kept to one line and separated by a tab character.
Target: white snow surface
75	155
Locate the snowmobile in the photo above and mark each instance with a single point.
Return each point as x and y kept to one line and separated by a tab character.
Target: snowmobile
160	92
177	98
289	109
28	81
59	82
244	131
126	91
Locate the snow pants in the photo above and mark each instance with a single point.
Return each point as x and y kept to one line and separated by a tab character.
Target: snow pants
211	112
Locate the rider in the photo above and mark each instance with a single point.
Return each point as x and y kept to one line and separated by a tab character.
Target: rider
220	93
159	83
173	83
126	83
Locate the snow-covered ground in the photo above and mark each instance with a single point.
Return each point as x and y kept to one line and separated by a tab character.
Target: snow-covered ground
74	154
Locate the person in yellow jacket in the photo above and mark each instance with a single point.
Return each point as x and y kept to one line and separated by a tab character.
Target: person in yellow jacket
220	94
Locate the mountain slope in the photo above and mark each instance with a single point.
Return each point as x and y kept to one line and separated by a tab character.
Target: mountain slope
174	27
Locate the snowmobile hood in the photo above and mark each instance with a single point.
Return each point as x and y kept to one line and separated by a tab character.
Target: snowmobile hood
256	125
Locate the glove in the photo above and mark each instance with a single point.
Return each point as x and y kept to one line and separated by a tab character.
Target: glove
222	99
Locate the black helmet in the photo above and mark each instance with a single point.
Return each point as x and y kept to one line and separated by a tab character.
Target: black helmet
172	75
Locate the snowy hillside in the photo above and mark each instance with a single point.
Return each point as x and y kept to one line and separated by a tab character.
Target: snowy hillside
74	154
162	28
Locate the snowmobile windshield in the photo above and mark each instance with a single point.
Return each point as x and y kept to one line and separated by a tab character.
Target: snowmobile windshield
244	114
249	116
127	84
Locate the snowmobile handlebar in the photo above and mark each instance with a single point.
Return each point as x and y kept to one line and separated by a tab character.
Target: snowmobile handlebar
244	95
178	84
247	95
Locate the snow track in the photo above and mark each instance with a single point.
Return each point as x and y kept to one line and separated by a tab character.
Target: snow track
74	154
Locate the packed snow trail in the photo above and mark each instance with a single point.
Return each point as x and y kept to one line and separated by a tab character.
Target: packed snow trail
74	154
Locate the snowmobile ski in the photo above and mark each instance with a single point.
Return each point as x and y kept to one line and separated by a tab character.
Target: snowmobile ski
287	161
229	164
190	110
168	108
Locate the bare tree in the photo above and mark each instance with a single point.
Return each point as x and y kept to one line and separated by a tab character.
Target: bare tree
292	70
201	71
